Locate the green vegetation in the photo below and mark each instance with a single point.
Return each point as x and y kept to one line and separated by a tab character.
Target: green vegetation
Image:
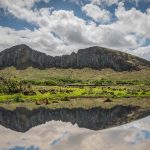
52	81
18	87
60	92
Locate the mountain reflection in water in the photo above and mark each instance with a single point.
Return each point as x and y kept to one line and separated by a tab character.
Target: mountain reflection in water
57	135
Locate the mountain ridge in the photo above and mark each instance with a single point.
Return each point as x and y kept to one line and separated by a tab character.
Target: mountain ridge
22	57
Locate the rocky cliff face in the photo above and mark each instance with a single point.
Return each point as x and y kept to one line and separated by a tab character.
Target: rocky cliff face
22	56
23	119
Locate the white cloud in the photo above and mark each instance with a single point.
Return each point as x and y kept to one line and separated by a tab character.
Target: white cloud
60	31
111	2
95	12
69	27
143	52
65	26
132	21
37	39
104	2
19	3
22	10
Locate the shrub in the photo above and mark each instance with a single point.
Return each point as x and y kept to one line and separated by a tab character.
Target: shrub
9	85
50	82
18	99
65	99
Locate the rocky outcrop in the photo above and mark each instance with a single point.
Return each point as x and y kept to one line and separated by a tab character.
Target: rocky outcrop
22	119
22	56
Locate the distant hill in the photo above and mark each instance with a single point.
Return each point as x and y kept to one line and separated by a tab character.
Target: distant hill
22	57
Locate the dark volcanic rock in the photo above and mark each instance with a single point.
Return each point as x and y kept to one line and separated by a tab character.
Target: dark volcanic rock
22	119
22	56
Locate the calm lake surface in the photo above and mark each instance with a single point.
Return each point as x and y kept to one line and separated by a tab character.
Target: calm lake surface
57	135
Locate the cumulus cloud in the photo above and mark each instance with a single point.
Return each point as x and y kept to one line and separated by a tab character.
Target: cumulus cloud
60	31
132	21
98	14
37	39
111	2
28	4
104	2
143	52
22	10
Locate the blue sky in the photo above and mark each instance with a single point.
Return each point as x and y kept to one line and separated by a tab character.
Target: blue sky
59	27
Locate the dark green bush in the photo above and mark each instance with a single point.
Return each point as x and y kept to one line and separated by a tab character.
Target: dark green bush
50	82
18	99
65	99
9	85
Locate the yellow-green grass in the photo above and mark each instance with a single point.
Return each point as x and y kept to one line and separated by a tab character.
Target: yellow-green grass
58	92
84	74
120	96
87	103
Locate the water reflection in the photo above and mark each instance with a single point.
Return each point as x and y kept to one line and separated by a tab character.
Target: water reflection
57	135
24	148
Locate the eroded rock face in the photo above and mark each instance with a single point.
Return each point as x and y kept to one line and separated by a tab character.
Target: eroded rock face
23	119
22	56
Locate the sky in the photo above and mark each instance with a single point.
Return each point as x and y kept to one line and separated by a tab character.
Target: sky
59	27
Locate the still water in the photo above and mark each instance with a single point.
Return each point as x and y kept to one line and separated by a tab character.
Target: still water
57	135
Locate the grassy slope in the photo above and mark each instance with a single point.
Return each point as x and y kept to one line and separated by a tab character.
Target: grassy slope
83	74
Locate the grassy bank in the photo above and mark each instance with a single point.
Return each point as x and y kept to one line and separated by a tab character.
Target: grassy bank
81	74
50	93
87	88
87	103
